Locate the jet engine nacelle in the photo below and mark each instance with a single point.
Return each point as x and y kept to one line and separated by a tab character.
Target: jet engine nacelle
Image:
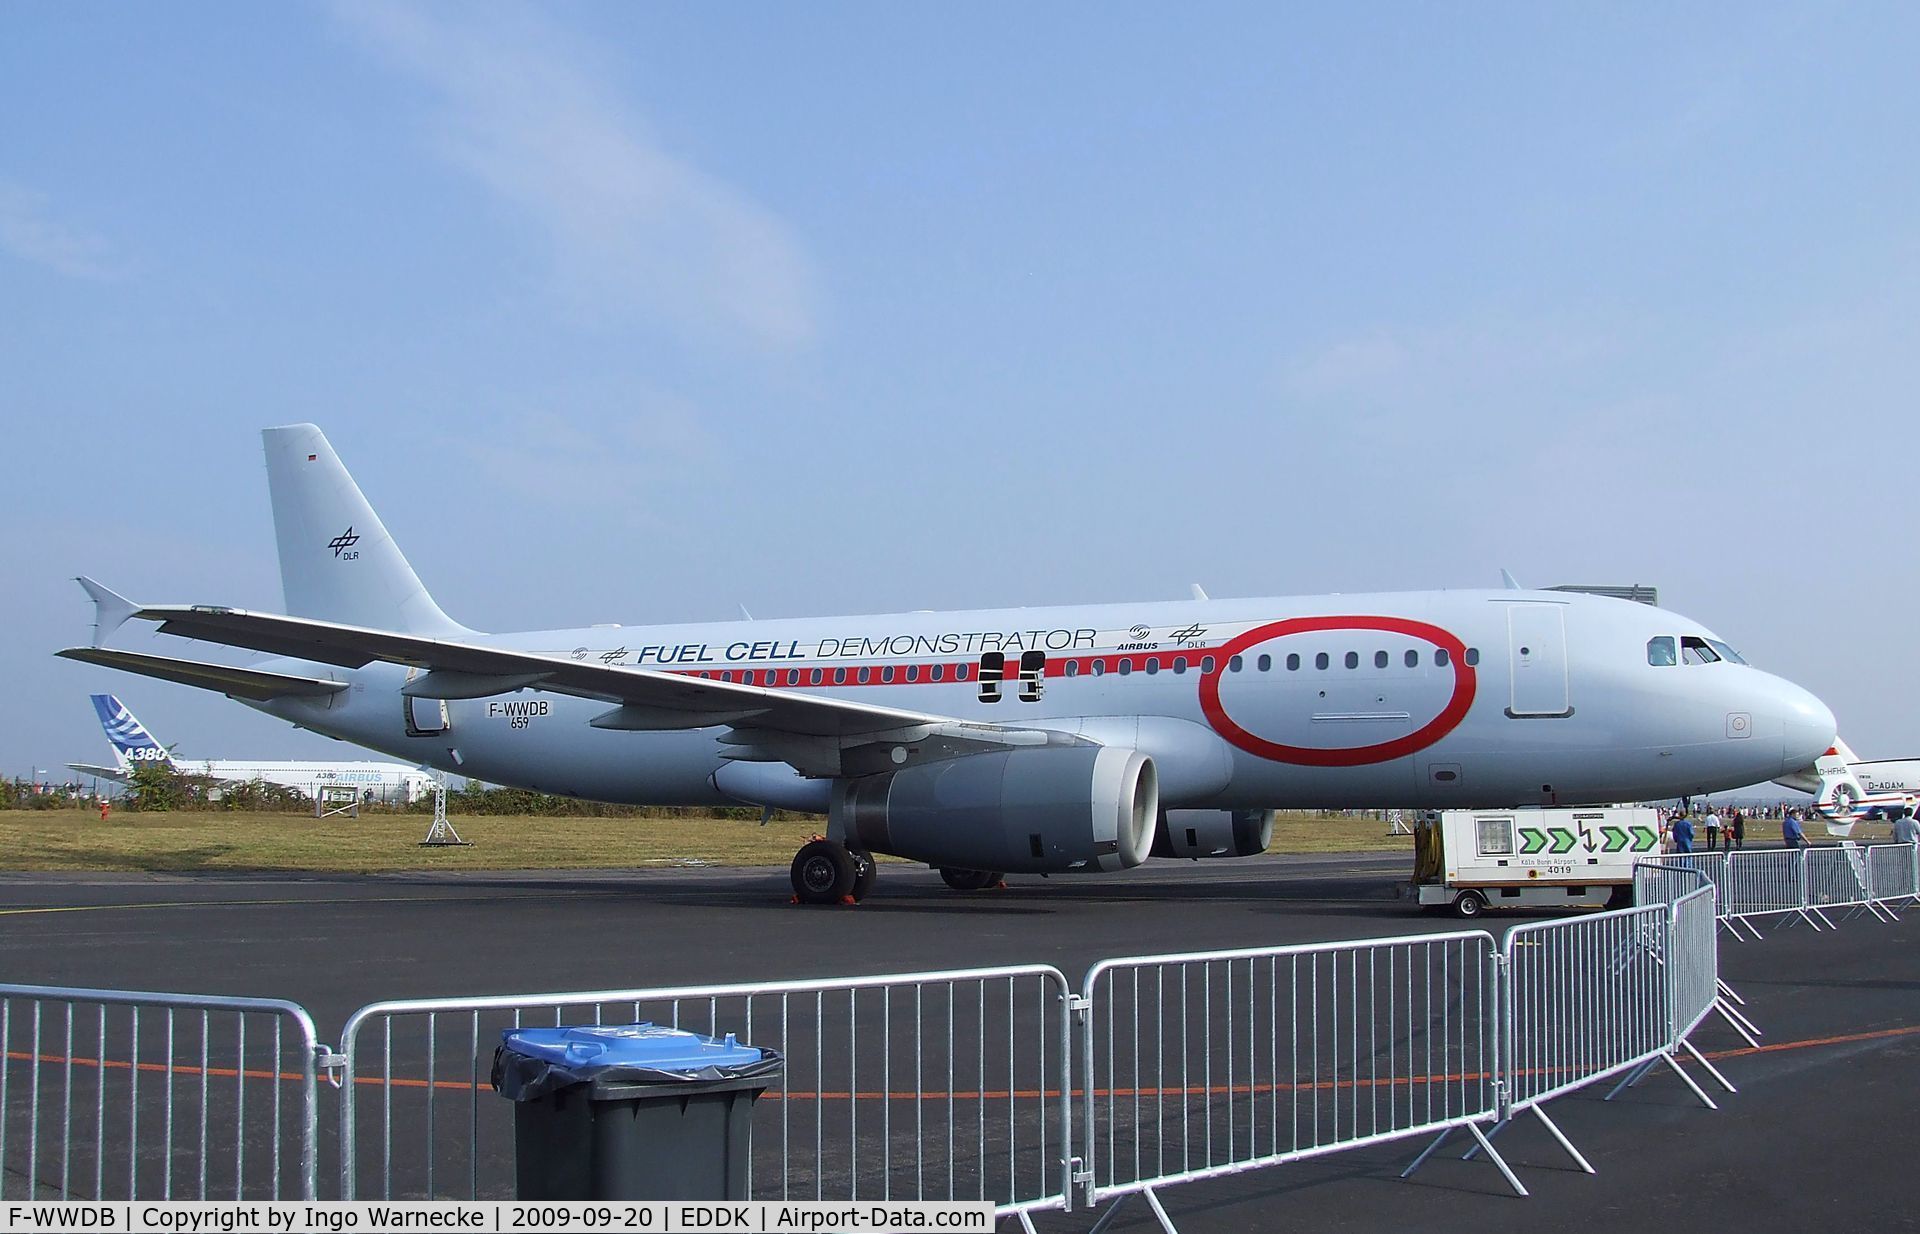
1213	833
1036	810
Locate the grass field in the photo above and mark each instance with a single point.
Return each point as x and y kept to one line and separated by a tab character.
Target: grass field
183	842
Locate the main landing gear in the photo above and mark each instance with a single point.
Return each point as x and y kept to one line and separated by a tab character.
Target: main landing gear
970	880
828	872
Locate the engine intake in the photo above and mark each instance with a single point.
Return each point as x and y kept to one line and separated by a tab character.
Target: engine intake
1032	810
1213	833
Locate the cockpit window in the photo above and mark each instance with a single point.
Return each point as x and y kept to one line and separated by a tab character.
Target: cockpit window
1726	652
1695	651
1660	651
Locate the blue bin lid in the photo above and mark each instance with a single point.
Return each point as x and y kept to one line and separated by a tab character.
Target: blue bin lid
655	1046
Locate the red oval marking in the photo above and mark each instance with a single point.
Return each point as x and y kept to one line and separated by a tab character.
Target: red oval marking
1464	685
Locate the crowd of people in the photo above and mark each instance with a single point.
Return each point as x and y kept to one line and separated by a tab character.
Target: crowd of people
1709	829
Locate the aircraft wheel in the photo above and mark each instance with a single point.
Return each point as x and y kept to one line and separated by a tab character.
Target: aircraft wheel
1469	904
967	880
1622	897
823	873
868	872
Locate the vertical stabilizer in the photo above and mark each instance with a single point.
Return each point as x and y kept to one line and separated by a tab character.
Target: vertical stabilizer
131	742
337	562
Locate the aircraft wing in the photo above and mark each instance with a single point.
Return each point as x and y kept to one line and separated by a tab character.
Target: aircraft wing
226	678
818	735
100	772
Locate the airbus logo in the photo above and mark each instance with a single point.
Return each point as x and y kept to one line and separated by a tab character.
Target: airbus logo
342	545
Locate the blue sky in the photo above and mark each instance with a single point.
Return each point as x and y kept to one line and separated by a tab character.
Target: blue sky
634	313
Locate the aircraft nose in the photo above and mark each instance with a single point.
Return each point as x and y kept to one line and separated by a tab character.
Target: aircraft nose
1807	728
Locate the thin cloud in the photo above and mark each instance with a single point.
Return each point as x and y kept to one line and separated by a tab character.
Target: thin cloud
31	234
1399	367
556	457
631	225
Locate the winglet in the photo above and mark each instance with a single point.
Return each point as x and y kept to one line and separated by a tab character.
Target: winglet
110	609
1509	582
1199	592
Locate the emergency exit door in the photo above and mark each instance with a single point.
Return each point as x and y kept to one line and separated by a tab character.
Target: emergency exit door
426	717
1537	658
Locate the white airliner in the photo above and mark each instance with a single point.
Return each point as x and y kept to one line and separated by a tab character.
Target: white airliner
1848	789
133	746
1038	740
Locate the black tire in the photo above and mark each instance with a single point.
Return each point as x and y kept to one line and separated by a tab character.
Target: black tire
867	872
1469	905
967	880
823	873
1622	897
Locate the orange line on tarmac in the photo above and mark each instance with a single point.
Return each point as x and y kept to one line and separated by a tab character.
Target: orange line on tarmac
1847	1039
1030	1094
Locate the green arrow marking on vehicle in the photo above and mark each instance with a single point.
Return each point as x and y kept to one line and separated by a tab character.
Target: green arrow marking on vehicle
1616	839
1562	841
1644	839
1532	840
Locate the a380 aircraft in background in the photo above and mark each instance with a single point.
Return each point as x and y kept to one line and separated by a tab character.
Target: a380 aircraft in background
133	746
1038	740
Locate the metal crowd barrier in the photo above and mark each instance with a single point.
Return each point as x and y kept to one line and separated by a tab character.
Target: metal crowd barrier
1205	1064
121	1094
944	1085
1796	882
923	1086
1893	874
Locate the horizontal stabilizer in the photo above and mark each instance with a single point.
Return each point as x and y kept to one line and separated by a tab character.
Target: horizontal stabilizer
100	773
239	682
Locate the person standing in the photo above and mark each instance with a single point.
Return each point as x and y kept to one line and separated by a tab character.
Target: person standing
1905	830
1682	833
1790	830
1712	823
1737	832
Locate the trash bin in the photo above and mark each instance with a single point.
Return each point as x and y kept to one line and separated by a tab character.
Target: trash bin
630	1112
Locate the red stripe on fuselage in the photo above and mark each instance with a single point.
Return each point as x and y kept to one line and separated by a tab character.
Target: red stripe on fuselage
966	673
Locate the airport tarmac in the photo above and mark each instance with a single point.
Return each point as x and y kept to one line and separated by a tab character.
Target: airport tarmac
1818	1136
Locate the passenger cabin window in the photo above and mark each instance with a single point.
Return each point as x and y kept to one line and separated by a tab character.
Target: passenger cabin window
1473	656
1321	661
1495	837
1353	659
1379	659
1293	663
1660	651
1695	651
1440	657
1264	663
1413	659
1233	664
